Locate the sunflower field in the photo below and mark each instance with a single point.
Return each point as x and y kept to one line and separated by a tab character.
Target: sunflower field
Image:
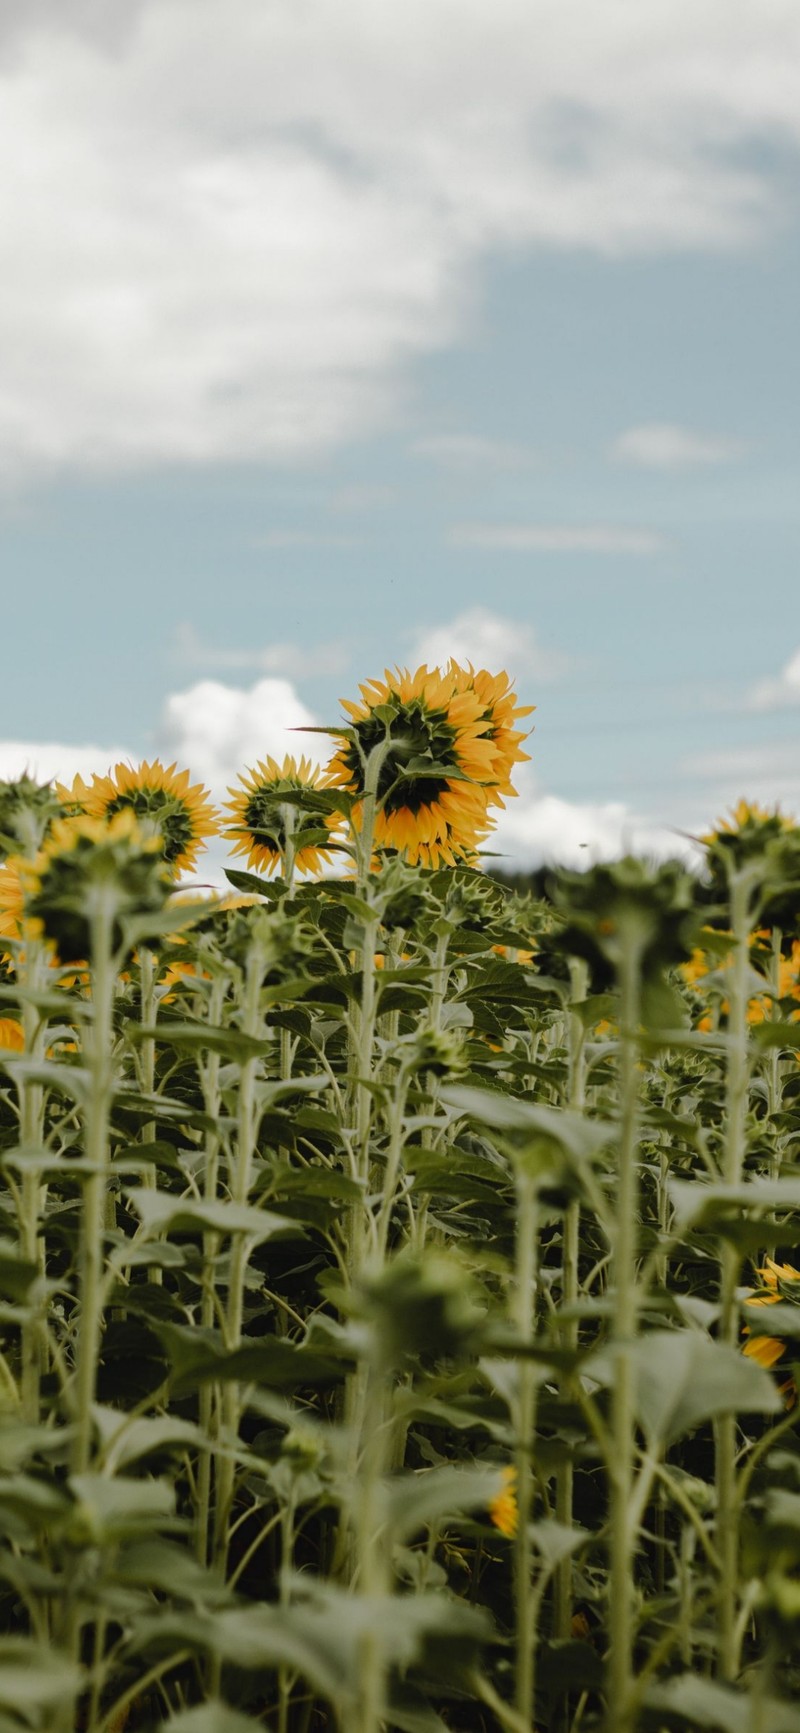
399	1268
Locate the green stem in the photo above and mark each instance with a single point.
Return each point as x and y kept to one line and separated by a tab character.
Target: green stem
371	1551
95	1186
524	1316
620	1711
31	1104
565	1475
734	1149
209	1394
242	1245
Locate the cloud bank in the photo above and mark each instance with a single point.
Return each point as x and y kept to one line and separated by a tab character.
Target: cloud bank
232	224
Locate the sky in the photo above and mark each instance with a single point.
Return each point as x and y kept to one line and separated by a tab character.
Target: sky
341	334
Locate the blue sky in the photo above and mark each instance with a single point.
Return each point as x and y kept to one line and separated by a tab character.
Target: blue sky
396	334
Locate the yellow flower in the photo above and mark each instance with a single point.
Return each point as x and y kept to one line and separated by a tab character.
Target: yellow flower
12	1037
81	852
501	711
503	1509
451	748
12	902
703	963
259	811
163	798
767	1350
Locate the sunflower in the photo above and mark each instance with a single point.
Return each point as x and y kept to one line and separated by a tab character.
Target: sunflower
273	830
503	1510
80	854
704	963
12	1035
12	902
777	1281
162	799
449	753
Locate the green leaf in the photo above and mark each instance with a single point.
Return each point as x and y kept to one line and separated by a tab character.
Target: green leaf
416	1500
577	1136
768	1034
557	1541
694	1202
33	1678
188	1036
698	1702
108	1510
162	1212
213	1717
683	1379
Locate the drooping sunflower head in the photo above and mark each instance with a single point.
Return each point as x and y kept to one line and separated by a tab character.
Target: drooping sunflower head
441	759
279	816
162	798
765	846
87	863
27	809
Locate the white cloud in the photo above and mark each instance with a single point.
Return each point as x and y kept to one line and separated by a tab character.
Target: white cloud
48	760
779	691
556	538
663	445
469	452
539	827
219	731
233	224
491	641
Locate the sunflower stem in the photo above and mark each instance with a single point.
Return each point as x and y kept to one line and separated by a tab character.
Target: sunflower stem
209	1398
620	1704
565	1475
242	1246
524	1317
734	1148
31	1126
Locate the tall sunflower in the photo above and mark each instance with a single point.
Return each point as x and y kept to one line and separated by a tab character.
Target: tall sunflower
448	753
162	799
272	825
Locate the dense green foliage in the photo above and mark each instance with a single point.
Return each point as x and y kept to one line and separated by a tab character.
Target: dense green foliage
373	1281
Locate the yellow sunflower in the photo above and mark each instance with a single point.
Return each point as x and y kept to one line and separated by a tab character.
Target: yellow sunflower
503	1510
777	1283
273	831
12	901
12	1035
449	753
703	964
162	799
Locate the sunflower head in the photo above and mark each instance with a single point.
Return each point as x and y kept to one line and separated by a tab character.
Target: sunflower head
86	860
435	749
280	815
504	1510
778	1282
765	847
27	809
176	812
